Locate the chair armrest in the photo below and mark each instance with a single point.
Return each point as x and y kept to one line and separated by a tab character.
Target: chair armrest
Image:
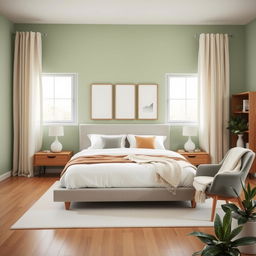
224	184
207	169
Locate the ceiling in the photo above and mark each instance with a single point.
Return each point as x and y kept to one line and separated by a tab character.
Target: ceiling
236	12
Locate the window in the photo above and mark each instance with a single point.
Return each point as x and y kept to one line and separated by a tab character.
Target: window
182	98
59	98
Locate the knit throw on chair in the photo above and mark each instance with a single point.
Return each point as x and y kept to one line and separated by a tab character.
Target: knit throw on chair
232	163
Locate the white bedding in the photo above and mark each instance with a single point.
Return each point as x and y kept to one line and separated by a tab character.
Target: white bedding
119	174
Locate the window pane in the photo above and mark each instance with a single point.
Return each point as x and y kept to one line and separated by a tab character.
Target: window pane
192	110
63	110
58	98
192	87
183	98
63	87
177	110
48	110
48	86
177	87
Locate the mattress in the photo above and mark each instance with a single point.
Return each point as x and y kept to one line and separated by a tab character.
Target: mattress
119	175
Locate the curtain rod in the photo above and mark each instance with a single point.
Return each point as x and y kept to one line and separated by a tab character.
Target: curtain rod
196	35
43	34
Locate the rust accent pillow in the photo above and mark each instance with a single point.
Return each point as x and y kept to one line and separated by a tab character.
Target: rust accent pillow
145	142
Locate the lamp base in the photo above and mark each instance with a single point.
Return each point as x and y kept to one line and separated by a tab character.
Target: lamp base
189	145
56	146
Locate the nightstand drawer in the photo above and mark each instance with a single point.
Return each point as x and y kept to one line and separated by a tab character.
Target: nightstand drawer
197	159
51	160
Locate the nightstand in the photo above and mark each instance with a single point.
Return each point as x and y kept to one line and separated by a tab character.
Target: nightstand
197	158
43	159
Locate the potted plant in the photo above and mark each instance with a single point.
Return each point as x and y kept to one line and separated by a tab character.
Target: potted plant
223	243
245	216
238	125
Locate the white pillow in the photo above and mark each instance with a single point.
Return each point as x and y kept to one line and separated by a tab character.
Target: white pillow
97	142
159	140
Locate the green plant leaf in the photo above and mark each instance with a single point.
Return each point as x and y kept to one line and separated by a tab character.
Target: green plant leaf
253	192
227	220
197	253
249	189
242	220
244	241
235	232
237	124
218	227
229	207
201	234
234	252
207	241
211	251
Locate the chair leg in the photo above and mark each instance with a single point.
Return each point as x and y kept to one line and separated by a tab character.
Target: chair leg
227	201
67	205
193	203
214	202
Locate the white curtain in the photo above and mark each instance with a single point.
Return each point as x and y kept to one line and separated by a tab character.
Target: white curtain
213	70
26	101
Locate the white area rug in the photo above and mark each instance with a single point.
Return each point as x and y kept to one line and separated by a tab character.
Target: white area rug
48	214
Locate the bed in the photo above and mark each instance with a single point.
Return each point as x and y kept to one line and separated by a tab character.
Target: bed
80	183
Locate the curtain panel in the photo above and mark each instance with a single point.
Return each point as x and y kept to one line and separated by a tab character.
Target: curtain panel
213	70
26	101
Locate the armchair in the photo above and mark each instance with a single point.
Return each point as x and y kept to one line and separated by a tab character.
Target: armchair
225	184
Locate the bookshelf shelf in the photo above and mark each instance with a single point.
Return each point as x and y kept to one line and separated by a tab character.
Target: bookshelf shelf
237	109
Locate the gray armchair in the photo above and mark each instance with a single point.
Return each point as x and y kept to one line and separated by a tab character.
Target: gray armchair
224	184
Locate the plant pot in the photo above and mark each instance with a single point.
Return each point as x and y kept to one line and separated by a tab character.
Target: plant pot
240	141
249	229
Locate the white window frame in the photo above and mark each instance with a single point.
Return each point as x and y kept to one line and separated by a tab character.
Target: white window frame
179	122
74	98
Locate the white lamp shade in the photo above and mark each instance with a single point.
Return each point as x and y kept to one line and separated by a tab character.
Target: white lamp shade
189	131
56	130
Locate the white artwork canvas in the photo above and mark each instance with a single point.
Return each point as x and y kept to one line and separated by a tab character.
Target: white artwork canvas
101	101
147	101
125	101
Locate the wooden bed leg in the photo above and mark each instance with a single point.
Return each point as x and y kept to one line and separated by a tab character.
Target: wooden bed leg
67	205
193	203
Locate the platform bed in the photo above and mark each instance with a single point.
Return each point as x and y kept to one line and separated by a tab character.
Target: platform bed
122	194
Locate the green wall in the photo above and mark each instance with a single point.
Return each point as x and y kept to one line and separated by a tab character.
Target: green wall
6	29
251	56
129	54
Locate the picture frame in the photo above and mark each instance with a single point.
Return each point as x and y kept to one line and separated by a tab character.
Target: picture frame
125	101
148	101
101	101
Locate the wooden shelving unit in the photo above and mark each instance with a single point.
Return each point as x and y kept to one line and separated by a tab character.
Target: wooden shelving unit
237	109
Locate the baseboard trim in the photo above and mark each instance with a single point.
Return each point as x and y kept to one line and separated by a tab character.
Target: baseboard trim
5	176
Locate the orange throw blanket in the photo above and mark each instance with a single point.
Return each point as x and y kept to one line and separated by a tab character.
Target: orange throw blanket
103	159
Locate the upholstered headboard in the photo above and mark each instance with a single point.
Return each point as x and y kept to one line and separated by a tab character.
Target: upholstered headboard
140	129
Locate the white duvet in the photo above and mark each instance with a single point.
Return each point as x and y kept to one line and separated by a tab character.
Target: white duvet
121	175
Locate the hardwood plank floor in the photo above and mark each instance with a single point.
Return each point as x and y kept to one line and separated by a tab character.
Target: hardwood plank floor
17	194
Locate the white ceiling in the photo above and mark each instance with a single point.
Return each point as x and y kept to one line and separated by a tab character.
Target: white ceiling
130	11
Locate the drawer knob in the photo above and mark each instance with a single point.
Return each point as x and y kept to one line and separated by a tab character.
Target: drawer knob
191	156
51	156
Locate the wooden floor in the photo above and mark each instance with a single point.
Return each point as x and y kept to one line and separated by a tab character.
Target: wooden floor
17	195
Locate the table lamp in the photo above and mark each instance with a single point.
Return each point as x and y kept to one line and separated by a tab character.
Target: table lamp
189	131
56	131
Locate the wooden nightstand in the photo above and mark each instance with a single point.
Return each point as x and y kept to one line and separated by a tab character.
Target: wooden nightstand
197	158
43	159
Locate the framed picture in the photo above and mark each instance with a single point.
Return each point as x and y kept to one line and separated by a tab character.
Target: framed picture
101	101
147	101
125	101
